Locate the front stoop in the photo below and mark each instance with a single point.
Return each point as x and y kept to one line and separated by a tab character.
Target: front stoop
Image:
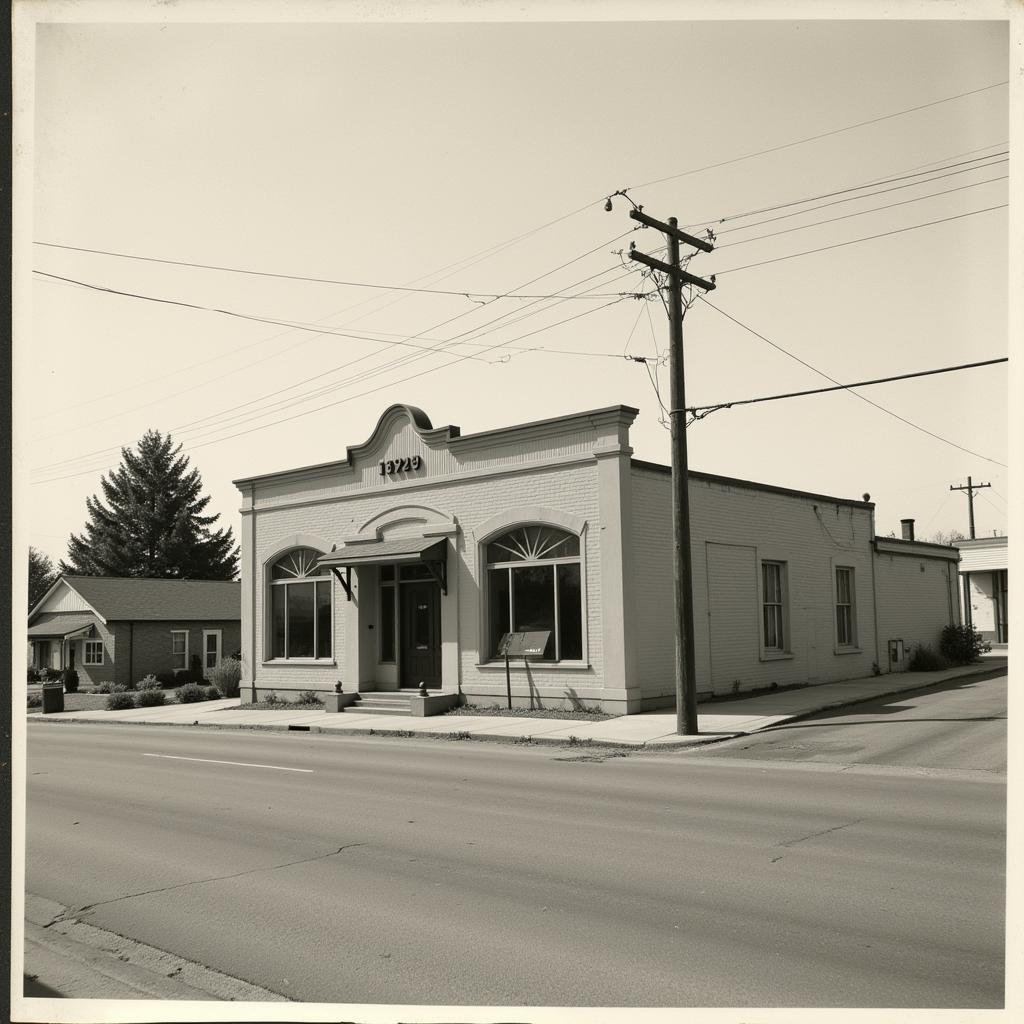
407	703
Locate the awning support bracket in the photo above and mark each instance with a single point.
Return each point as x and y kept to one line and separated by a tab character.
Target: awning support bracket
439	570
345	581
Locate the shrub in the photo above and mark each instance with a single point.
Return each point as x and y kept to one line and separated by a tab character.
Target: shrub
962	644
149	698
182	677
167	679
270	697
103	687
33	675
308	697
924	659
51	675
196	667
212	693
190	693
150	682
119	700
69	677
119	687
35	700
227	677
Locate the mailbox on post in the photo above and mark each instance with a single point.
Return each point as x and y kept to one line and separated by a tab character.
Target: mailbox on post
529	644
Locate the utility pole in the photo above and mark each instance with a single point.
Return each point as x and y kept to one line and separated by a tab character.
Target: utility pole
970	488
685	671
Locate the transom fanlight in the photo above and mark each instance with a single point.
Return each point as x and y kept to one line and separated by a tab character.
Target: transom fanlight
533	543
297	565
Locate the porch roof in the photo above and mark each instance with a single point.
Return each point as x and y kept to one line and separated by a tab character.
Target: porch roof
59	626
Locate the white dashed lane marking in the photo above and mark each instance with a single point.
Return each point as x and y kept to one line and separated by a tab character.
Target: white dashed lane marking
237	764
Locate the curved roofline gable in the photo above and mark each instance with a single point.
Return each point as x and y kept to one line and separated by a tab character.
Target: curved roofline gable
432	436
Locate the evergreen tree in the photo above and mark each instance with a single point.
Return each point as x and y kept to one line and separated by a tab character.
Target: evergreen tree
41	576
152	523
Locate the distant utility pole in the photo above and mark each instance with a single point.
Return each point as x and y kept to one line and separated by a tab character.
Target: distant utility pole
970	488
686	676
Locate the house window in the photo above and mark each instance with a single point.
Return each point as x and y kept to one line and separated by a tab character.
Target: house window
300	607
534	582
845	636
773	605
179	649
93	654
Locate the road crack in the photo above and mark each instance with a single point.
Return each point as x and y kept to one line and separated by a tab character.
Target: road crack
72	913
823	832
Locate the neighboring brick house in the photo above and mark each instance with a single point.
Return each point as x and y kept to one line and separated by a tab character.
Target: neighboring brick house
120	630
408	560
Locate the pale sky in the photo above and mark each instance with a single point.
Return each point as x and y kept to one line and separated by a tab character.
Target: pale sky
384	153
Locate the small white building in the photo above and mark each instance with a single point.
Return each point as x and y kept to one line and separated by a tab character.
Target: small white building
409	559
984	576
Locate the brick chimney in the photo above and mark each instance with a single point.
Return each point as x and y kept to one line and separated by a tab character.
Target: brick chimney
908	528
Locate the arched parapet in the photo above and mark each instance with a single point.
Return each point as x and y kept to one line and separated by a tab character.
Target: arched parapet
406	521
392	419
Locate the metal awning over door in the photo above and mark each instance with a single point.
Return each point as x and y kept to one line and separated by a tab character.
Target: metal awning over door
428	551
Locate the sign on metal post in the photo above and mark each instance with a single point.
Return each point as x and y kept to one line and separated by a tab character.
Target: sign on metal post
531	644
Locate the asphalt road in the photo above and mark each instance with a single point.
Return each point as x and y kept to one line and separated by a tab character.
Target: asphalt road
958	725
403	871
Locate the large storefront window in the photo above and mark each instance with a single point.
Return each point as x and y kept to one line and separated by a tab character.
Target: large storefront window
534	583
300	607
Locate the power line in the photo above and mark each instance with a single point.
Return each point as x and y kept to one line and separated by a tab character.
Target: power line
861	188
860	213
869	238
821	135
854	199
856	394
348	398
841	387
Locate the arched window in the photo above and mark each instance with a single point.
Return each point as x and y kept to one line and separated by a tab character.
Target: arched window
300	606
534	583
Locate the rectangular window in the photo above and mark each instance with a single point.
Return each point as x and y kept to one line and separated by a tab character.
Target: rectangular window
323	619
93	654
844	607
570	621
387	614
772	603
278	617
300	620
499	605
179	648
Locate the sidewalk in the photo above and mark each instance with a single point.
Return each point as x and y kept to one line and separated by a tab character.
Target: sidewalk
716	720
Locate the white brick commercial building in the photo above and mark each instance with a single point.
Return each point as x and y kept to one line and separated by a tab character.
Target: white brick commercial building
408	560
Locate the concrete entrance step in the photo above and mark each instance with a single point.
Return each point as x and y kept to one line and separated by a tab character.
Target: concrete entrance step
382	703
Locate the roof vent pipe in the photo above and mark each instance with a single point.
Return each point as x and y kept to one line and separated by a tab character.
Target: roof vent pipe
908	528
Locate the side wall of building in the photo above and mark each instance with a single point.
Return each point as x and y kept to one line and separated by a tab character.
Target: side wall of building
917	596
734	530
149	644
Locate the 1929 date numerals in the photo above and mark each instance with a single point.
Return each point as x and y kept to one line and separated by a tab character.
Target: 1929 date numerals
389	467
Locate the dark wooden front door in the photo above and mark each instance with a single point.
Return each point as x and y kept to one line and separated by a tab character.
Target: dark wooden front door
420	631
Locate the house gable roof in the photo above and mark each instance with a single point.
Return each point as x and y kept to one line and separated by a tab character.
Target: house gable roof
147	600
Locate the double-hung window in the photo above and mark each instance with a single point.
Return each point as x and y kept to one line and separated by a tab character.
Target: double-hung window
845	618
93	654
773	606
300	607
179	649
